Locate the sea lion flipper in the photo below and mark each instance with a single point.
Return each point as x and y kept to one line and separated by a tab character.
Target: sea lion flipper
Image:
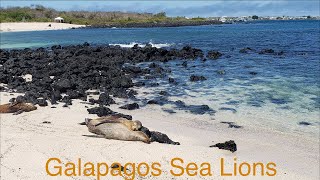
18	112
83	123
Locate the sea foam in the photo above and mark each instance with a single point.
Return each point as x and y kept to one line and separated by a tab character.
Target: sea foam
157	45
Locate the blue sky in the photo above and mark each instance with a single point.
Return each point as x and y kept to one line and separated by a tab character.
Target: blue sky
187	8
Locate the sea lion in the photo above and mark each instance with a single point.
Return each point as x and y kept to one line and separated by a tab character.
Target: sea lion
116	130
132	125
159	137
17	107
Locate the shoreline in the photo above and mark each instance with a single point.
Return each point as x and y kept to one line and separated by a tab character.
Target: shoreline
65	72
36	26
64	137
43	26
155	24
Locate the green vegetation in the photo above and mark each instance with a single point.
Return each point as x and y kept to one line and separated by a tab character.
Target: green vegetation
198	19
37	13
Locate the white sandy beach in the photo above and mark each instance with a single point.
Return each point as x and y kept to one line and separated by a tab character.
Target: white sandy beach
35	26
27	144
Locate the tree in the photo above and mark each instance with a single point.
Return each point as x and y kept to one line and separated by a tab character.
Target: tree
255	17
39	7
161	15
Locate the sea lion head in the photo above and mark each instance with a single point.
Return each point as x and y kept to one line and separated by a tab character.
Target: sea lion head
87	120
30	107
136	126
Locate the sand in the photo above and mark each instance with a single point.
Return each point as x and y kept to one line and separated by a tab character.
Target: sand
35	26
27	143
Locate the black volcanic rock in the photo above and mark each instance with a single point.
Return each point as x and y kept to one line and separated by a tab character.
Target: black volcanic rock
105	99
271	52
199	109
164	93
214	54
104	111
153	101
132	70
154	65
31	96
121	82
228	109
228	145
171	80
194	109
74	94
63	85
221	72
100	111
67	100
21	99
55	96
245	50
267	51
185	64
139	84
130	106
231	124
304	123
70	71
42	102
194	78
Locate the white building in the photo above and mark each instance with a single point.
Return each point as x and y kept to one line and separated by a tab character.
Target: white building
223	19
59	19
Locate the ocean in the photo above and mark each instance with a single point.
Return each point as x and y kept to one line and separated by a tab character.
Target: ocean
274	91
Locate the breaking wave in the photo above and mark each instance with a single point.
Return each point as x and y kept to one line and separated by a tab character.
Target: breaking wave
160	45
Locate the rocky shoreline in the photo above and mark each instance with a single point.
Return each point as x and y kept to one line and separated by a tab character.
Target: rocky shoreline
60	74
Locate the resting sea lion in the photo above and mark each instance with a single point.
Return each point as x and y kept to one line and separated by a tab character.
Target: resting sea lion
115	130
15	107
132	125
156	136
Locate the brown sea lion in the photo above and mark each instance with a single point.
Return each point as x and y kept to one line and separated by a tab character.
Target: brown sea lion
132	125
118	129
15	107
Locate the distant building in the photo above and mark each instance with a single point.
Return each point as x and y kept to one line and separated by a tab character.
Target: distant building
223	19
59	20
